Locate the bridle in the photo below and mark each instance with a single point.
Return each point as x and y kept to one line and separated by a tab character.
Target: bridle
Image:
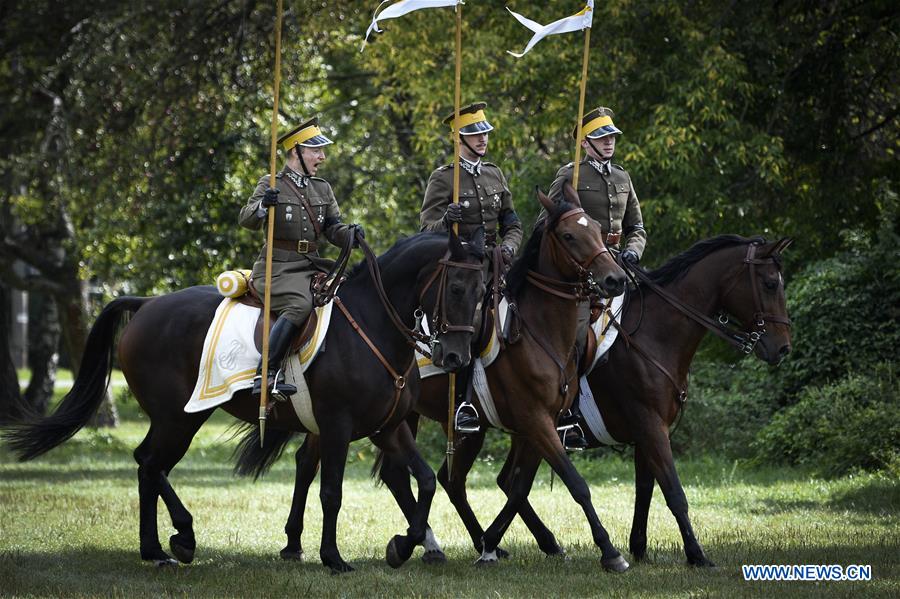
585	285
745	341
440	323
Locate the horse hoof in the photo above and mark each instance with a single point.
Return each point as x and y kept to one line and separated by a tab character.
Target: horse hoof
702	562
166	563
488	558
289	555
616	564
183	553
559	554
434	556
393	555
341	567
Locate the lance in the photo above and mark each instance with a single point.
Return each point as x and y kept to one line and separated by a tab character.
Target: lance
270	233
451	385
584	72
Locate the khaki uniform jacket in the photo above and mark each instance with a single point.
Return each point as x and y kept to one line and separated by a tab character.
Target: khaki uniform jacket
485	201
292	271
610	200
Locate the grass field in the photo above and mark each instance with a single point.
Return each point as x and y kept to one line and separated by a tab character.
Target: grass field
69	527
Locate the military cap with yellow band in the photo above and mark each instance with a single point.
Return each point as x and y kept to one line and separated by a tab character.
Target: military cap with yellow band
597	123
307	135
471	120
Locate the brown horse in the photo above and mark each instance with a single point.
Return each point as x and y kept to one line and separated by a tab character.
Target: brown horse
642	385
356	393
532	381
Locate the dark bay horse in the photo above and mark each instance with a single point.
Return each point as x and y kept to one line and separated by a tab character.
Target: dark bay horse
642	385
531	382
354	395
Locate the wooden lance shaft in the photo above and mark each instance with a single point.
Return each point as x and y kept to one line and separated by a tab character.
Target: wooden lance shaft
270	233
451	386
584	71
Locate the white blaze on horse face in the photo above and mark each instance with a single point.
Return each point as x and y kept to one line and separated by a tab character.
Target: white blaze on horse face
582	221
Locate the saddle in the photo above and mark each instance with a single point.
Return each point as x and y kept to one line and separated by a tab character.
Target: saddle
252	299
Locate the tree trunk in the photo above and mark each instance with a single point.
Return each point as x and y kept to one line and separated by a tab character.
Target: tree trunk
10	397
74	321
43	343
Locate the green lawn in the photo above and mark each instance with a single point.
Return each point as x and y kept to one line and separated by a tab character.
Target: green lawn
68	526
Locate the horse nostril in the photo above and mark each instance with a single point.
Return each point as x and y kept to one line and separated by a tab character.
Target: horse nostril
784	351
614	284
452	362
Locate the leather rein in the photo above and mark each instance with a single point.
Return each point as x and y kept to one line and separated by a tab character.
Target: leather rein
411	336
744	341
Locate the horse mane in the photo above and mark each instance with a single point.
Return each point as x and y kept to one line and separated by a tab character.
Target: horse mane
401	246
515	278
675	268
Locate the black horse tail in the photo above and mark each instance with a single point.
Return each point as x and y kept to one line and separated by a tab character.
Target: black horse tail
36	435
253	460
377	466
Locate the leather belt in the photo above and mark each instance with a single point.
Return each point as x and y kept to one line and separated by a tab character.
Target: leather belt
301	246
613	238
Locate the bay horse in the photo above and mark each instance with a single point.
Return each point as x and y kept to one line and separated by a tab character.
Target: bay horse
354	394
641	387
532	382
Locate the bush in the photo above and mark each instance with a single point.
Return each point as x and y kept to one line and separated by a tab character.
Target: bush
839	427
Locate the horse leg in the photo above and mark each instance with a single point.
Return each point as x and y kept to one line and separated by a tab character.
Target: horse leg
546	540
334	443
523	468
548	443
658	453
307	465
402	445
454	483
396	477
643	483
157	454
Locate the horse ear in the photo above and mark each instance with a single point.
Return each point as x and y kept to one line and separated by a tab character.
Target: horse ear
457	251
546	202
571	194
783	244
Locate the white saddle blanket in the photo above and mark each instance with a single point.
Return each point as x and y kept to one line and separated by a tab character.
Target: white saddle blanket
229	360
603	330
488	355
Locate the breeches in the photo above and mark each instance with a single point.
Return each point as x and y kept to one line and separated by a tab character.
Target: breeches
291	296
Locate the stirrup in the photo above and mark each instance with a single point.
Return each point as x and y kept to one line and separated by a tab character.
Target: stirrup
572	437
281	391
466	419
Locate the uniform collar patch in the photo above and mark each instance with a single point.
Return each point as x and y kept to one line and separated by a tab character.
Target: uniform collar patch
473	168
299	180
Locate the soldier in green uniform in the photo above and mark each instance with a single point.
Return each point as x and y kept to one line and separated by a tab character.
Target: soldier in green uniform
305	211
607	195
484	202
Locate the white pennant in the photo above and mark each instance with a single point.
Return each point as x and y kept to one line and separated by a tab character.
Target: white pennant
577	22
401	8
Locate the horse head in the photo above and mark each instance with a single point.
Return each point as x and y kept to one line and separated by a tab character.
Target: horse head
576	246
756	298
452	296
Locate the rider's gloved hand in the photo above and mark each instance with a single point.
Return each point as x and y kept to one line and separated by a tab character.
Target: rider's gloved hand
507	254
270	198
453	214
358	233
630	256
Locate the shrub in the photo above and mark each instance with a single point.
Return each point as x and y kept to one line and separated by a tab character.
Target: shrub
839	427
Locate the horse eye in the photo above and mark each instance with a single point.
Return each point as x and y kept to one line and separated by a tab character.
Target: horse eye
457	289
568	236
771	284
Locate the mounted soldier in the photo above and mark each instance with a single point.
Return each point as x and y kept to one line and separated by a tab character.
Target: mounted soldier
305	211
607	195
485	202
